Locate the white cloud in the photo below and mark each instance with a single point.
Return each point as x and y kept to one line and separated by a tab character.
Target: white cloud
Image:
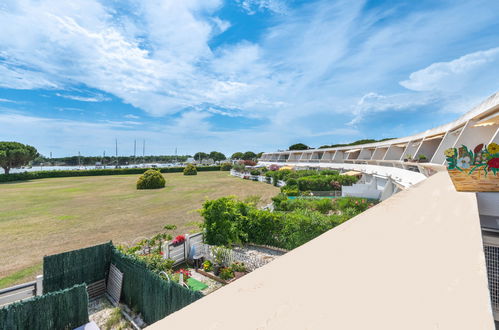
130	116
96	98
253	6
317	62
452	75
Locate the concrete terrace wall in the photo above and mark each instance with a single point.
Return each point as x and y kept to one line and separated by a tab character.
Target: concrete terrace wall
414	261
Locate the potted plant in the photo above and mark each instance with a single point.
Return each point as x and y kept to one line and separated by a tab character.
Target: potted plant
474	169
219	253
207	266
408	158
422	159
178	240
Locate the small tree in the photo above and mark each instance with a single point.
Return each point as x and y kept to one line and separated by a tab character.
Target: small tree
15	154
190	170
151	179
299	146
201	155
237	155
217	156
249	155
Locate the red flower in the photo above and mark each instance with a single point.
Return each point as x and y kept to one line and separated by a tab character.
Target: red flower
493	163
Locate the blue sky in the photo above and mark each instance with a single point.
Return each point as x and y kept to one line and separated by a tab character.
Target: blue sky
203	75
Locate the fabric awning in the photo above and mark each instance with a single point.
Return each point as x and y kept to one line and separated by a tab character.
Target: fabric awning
352	173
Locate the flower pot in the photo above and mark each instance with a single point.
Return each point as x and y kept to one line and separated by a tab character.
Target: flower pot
476	181
216	270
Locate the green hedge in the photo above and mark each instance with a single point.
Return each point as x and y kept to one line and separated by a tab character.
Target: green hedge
66	269
146	291
229	221
72	173
66	309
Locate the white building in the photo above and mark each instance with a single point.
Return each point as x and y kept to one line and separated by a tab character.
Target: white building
427	257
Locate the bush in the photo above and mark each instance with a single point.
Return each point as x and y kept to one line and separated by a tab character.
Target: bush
222	220
255	172
151	179
226	167
190	169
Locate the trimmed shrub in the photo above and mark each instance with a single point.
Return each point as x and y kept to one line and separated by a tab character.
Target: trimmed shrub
190	169
226	167
151	179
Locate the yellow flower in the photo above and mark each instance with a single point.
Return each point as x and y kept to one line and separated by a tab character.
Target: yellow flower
449	152
493	148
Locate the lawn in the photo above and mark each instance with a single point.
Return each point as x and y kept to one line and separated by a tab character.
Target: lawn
48	216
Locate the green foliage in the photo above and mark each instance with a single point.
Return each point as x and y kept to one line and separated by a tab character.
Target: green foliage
221	223
238	267
358	205
249	155
15	154
190	169
290	190
208	266
66	309
201	155
237	155
72	173
66	269
239	167
217	156
114	319
226	273
255	172
322	205
325	182
151	179
154	297
293	222
363	141
298	146
226	167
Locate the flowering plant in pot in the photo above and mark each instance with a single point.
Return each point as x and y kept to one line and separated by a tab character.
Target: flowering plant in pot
207	266
474	169
178	240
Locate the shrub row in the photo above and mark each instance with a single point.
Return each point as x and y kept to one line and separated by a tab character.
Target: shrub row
229	221
72	173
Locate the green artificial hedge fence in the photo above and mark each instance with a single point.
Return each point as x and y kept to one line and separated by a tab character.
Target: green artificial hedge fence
65	309
66	269
72	173
147	291
142	289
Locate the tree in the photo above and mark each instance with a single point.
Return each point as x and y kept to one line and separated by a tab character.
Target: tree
237	155
249	155
259	155
299	146
201	155
15	154
217	156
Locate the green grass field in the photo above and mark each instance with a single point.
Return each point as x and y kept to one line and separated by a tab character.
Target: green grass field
48	216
